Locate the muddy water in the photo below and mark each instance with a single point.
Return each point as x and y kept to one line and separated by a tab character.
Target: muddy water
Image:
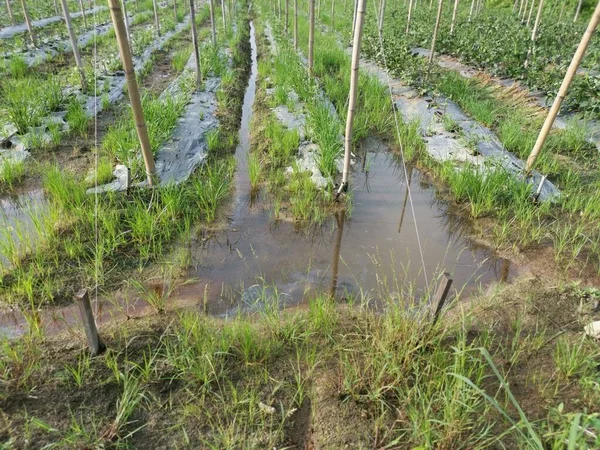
372	254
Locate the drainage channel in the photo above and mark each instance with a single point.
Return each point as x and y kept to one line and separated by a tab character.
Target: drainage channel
372	254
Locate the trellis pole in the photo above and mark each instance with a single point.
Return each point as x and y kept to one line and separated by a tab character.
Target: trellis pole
435	33
530	12
524	12
311	36
73	40
381	14
223	14
126	20
287	8
410	8
471	10
175	10
28	23
132	89
534	32
195	43
453	17
333	14
354	17
213	28
156	21
11	15
354	74
514	9
577	11
562	92
521	3
296	25
82	9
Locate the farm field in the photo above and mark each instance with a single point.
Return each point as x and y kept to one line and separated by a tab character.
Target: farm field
299	224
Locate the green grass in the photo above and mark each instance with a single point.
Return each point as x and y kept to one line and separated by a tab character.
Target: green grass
11	173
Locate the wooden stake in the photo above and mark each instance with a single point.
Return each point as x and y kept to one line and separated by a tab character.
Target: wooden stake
577	11
175	10
521	3
89	324
435	32
381	14
213	28
311	36
335	263
410	8
441	295
295	25
454	17
156	21
195	43
82	9
132	88
354	74
354	18
562	92
11	15
471	10
515	6
28	22
73	40
333	14
524	12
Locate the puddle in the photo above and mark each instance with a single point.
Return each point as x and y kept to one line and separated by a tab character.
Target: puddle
374	253
19	217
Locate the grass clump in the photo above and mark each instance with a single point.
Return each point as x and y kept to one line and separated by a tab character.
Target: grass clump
11	173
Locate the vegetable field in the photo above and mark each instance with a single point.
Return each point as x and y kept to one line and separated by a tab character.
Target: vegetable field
299	224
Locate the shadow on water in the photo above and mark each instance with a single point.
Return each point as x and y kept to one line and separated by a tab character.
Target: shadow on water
374	254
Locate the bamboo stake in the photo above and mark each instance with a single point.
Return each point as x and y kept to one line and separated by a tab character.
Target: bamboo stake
175	10
410	8
577	11
521	3
530	12
279	10
73	40
454	17
471	10
311	36
12	17
333	14
562	10
354	74
195	42
287	7
534	32
28	22
132	88
213	28
381	13
319	9
562	92
156	21
354	18
126	20
514	9
295	25
223	14
430	4
82	9
435	32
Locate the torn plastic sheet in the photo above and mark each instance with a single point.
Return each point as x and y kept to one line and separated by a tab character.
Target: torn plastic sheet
445	146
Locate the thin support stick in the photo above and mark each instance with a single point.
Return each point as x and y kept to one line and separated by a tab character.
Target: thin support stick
311	36
28	22
89	324
73	40
195	43
453	17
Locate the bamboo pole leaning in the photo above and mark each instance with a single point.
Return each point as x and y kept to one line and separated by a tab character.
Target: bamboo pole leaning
471	10
287	12
562	92
132	89
410	8
453	17
73	40
175	10
524	11
195	44
156	20
352	96
311	36
223	14
354	16
530	12
28	23
11	15
213	28
435	33
381	14
521	3
562	10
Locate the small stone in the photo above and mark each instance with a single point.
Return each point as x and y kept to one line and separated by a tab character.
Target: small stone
266	408
593	329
